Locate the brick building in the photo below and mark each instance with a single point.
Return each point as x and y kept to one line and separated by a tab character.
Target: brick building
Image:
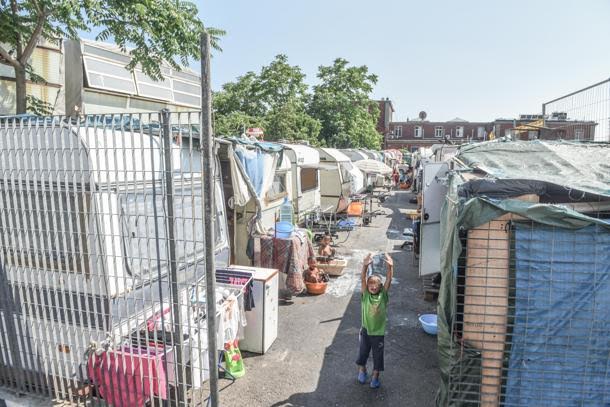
422	133
386	114
412	134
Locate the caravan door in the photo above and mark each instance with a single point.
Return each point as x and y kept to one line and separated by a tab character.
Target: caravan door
434	190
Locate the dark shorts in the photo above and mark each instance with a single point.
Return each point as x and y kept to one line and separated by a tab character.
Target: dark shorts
368	343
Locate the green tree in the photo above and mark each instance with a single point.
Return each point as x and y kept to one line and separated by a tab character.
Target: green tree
275	99
342	103
291	122
240	97
235	123
155	31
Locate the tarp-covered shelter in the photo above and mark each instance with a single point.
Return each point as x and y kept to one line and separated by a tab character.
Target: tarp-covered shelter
256	179
524	302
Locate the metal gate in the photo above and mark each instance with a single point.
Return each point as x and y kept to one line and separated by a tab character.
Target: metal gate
102	258
582	115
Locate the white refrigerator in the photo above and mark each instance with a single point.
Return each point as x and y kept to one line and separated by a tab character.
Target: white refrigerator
261	330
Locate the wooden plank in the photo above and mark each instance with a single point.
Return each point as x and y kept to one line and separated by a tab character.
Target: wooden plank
486	299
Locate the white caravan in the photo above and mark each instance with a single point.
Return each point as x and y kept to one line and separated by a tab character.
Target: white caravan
85	248
304	162
339	179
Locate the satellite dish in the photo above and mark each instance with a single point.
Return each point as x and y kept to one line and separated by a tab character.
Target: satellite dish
422	115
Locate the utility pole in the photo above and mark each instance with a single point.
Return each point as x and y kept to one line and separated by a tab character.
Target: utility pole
208	167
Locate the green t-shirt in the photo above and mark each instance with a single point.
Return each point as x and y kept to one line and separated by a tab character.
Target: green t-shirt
374	312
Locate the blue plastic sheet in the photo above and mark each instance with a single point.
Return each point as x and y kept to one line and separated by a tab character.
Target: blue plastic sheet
561	336
253	163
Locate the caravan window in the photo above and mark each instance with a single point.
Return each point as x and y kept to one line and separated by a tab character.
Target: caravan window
345	171
309	179
42	228
278	187
139	233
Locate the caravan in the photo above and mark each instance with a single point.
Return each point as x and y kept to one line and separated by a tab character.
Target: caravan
257	178
339	180
304	162
100	228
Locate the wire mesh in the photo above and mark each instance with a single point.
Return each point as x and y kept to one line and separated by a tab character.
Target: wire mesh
532	315
582	115
102	281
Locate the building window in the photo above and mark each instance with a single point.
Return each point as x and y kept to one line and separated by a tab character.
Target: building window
419	131
439	131
459	131
398	131
481	132
532	135
579	133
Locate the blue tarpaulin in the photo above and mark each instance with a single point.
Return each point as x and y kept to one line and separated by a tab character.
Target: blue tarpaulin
252	161
561	335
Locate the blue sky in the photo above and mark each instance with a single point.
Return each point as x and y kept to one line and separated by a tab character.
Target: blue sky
474	59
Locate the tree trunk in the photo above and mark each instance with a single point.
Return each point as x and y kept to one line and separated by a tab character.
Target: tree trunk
21	90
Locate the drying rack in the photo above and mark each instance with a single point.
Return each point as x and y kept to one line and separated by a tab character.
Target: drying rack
236	281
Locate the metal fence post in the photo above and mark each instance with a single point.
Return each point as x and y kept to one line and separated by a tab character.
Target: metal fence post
173	266
208	155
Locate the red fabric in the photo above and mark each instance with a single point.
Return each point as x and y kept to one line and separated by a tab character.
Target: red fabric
129	378
152	324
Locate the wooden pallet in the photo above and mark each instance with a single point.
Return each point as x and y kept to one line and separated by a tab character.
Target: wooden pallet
430	288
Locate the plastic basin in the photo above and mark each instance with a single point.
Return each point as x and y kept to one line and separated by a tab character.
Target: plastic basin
428	323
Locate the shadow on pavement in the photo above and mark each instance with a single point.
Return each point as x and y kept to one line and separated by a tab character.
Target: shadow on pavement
411	375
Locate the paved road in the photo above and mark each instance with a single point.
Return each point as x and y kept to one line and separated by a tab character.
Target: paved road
312	361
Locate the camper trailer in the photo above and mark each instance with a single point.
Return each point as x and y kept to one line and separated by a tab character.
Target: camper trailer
354	155
252	209
337	180
99	228
304	163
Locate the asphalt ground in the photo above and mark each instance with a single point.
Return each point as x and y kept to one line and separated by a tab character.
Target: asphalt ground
312	362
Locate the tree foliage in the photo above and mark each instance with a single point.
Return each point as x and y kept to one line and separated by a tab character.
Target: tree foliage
275	99
153	32
338	114
342	103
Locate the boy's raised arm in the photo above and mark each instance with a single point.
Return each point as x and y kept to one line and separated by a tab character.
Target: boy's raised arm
390	265
365	265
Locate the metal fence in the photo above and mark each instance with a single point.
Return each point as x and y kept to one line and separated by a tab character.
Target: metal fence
102	259
581	115
532	315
